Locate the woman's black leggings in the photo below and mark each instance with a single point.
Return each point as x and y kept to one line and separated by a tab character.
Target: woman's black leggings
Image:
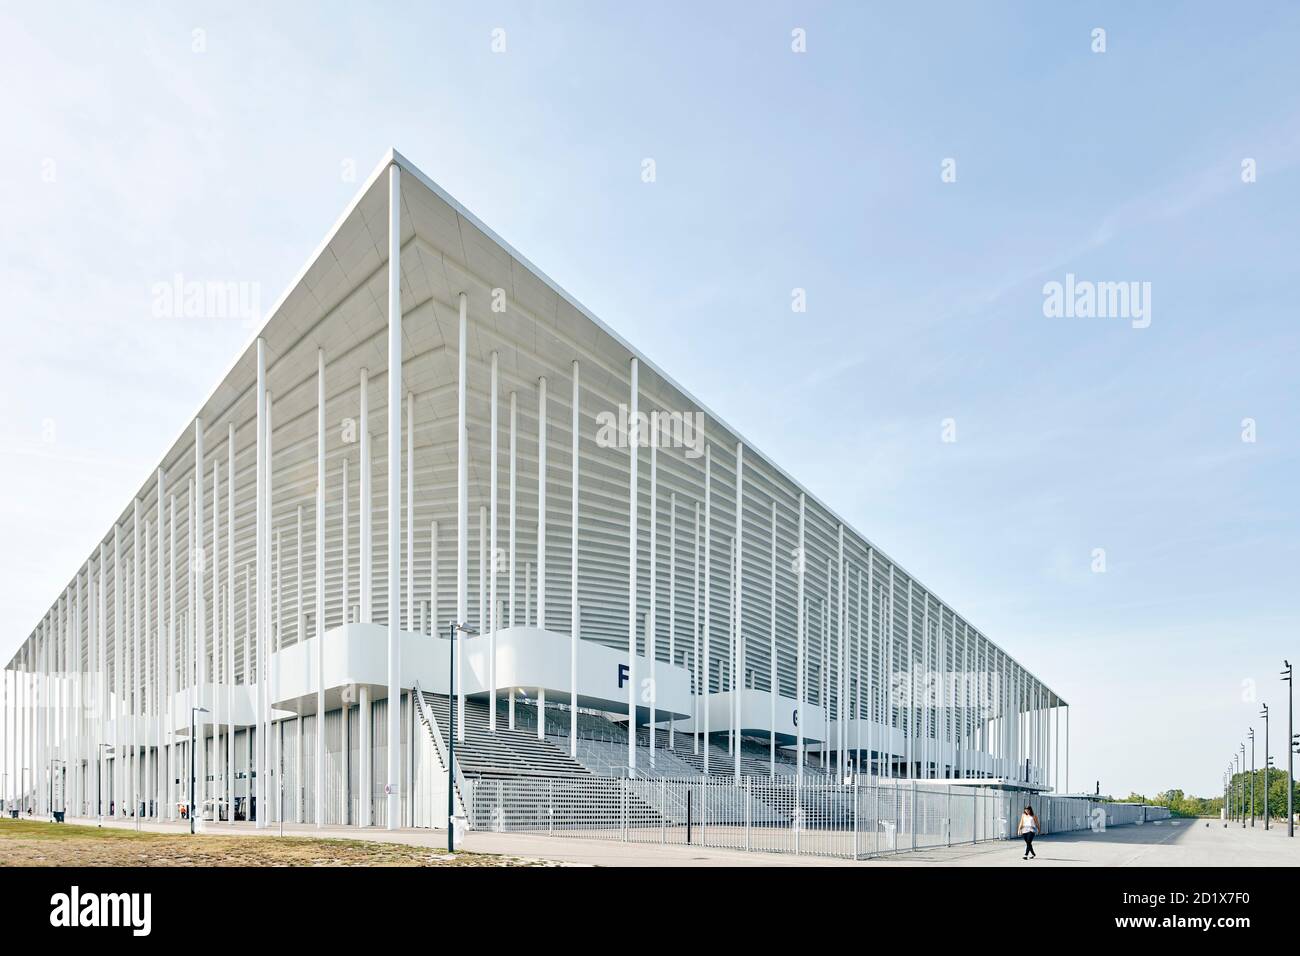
1029	844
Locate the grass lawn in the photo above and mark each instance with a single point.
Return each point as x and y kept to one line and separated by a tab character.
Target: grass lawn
33	843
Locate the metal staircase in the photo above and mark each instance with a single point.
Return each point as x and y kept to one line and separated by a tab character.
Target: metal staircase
505	752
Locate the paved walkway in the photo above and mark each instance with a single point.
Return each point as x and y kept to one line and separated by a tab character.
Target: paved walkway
1167	843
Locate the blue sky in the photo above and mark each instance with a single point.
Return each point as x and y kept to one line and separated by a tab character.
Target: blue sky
130	157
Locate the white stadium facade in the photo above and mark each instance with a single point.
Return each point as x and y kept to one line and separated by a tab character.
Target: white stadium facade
427	437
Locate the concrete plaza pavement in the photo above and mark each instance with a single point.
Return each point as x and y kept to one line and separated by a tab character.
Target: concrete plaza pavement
1174	843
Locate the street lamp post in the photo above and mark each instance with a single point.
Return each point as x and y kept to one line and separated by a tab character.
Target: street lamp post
1236	787
451	728
1243	786
1252	775
1290	748
1268	762
193	732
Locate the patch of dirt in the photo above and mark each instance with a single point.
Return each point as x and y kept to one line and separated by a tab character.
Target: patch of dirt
29	843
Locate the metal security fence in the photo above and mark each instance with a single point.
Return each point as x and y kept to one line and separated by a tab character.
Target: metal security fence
818	817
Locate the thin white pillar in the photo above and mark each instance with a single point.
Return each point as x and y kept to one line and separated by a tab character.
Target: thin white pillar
150	795
274	733
462	509
318	788
773	683
541	536
172	763
215	561
366	773
229	675
394	496
672	595
634	449
841	617
707	597
258	791
134	699
514	422
800	562
541	501
492	555
575	614
435	622
695	639
481	594
738	635
410	512
366	542
652	619
164	708
346	551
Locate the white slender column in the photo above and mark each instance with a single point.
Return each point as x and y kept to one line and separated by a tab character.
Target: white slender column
318	789
346	551
119	687
707	597
215	561
541	536
575	613
482	595
773	684
652	623
394	712
366	774
299	614
151	803
228	675
435	622
841	606
492	556
541	502
170	654
737	642
672	596
462	508
634	449
801	560
200	610
514	423
258	788
410	512
267	654
696	689
366	542
134	699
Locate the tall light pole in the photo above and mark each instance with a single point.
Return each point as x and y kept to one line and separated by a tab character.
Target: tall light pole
1243	787
1252	775
1236	786
452	628
1290	748
1268	762
193	712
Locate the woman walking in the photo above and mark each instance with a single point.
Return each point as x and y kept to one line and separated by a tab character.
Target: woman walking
1027	828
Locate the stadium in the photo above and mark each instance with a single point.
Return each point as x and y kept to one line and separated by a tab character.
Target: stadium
438	514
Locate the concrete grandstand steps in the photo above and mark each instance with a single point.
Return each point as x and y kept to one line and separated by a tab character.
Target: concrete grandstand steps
504	753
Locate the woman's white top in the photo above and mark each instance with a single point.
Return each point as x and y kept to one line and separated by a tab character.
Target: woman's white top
1027	824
